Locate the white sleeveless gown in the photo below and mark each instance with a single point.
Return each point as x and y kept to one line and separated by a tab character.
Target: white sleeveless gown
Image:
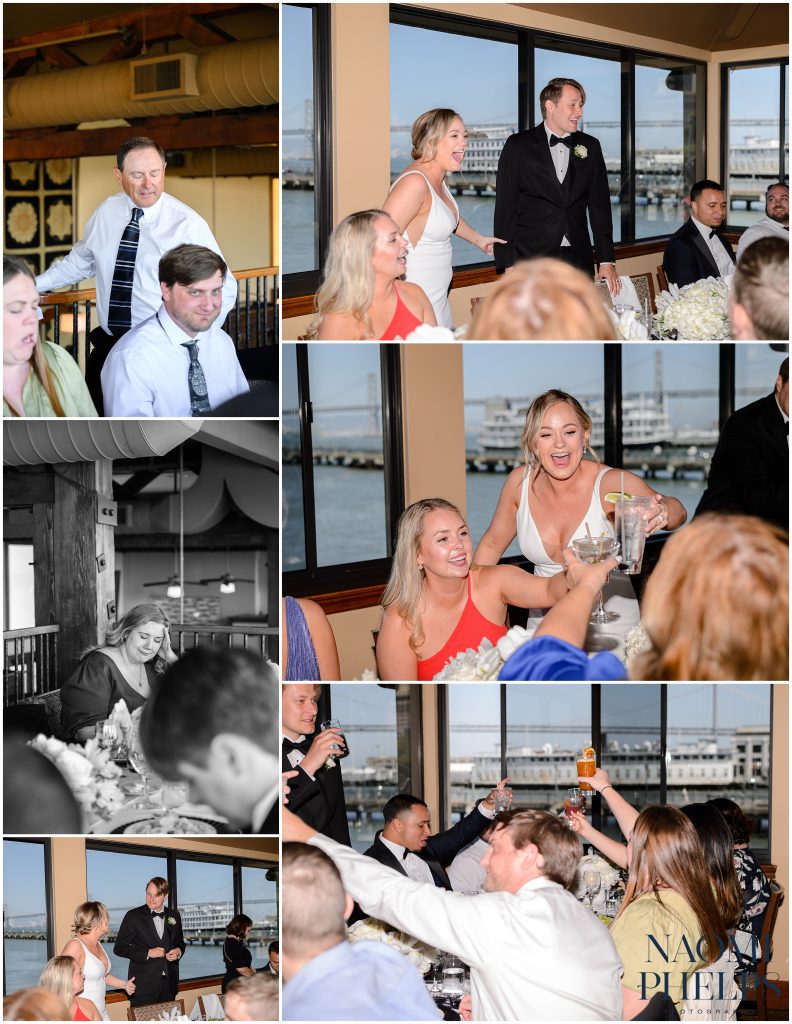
618	594
95	985
429	263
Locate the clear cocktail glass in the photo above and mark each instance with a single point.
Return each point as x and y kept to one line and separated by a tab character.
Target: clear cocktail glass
593	550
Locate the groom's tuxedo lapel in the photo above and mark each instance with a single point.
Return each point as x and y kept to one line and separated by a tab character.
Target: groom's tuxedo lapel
544	156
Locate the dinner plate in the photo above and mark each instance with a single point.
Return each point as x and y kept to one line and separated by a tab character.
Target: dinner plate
184	825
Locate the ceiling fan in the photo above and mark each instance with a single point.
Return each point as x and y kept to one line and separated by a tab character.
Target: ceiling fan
227	582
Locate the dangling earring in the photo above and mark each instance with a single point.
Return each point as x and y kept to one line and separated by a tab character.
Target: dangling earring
585	449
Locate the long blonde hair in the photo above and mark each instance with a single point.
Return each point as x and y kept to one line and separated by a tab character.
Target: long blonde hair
35	1003
715	565
542	299
406	579
665	849
58	977
13	267
428	129
348	279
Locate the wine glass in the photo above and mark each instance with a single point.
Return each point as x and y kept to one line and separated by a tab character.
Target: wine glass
107	734
573	801
593	550
139	764
501	800
453	975
593	883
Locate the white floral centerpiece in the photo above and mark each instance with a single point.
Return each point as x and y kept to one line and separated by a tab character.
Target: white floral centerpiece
91	774
425	332
417	952
608	874
697	312
636	642
486	661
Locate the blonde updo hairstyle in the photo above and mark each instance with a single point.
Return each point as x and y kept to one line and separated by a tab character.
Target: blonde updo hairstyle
428	129
348	279
533	423
542	299
406	579
89	916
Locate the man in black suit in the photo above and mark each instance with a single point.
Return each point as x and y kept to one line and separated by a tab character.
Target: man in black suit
549	177
213	722
151	939
272	965
406	845
316	792
750	467
699	249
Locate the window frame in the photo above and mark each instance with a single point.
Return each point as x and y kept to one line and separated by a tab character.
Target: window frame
527	39
306	282
763	855
725	106
171	856
315	579
49	898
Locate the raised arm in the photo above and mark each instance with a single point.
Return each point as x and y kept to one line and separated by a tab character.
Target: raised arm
624	813
613	850
503	528
666	513
568	618
395	658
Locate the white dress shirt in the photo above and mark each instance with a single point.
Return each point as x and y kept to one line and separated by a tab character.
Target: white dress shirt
535	955
715	246
465	870
163	226
418	870
560	157
763	228
146	371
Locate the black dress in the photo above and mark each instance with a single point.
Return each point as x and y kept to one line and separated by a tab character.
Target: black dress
94	688
235	954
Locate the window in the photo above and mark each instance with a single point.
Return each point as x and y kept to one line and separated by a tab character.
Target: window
381	724
669	105
677	743
756	141
305	124
342	492
755	373
670	416
20	612
501	381
445	59
27	939
260	903
119	881
205	893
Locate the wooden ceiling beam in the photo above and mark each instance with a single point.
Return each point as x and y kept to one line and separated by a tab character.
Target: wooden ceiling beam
160	23
201	33
171	132
61	58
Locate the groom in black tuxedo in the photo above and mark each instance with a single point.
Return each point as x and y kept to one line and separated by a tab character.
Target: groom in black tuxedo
549	177
151	939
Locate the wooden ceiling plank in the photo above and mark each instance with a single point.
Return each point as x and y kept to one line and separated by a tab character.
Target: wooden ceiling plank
201	33
60	57
172	133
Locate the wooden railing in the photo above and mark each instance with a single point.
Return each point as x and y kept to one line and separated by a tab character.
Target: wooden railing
261	640
252	323
29	663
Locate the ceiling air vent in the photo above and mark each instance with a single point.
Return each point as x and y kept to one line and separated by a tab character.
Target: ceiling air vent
159	77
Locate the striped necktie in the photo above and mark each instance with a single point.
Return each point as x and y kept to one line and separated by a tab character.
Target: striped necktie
199	401
119	314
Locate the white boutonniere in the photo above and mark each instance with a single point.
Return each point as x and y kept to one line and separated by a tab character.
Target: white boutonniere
330	762
580	152
171	920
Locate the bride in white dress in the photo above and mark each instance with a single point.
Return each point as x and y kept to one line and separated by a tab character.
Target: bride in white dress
422	205
91	923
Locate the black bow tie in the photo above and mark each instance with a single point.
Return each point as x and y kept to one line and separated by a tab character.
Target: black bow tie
554	140
290	745
713	233
158	913
404	855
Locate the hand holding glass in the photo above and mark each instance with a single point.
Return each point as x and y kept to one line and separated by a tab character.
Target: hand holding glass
632	515
593	550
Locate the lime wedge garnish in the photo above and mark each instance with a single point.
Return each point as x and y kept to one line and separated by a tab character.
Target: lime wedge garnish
611	496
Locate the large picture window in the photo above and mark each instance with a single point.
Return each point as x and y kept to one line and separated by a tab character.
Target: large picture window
755	105
677	744
27	936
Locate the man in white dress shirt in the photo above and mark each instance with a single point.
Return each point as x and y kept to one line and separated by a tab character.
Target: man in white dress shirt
534	952
179	362
699	249
775	221
163	223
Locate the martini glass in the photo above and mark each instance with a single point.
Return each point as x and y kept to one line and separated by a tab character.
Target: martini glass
593	550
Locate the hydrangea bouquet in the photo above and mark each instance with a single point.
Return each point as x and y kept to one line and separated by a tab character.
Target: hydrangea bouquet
697	312
89	771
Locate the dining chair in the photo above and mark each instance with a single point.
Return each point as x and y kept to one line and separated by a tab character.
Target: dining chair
756	979
202	1009
154	1011
662	280
475	302
645	289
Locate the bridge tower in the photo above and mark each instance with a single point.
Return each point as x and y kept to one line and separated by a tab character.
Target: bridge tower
308	130
375	428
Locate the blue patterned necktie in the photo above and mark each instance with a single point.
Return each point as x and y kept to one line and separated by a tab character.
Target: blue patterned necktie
119	314
199	401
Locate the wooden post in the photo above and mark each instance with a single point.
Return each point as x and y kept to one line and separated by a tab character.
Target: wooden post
273	579
84	559
43	565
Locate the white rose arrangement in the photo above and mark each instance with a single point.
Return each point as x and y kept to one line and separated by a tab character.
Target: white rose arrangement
697	312
486	661
418	953
89	771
